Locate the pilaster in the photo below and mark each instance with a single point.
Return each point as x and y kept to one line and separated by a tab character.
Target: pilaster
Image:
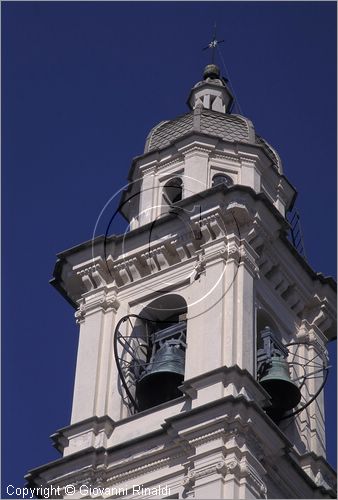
95	315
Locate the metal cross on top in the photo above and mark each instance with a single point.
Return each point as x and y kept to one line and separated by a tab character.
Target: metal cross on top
212	45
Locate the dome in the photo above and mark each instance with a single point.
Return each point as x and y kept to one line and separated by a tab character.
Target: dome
227	127
210	102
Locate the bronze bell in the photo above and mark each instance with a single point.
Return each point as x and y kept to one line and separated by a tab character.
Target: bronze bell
164	373
284	393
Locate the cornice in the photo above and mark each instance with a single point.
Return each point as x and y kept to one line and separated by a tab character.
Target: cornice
264	231
220	155
286	283
242	434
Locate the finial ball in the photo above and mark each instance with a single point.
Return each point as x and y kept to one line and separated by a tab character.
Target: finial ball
211	71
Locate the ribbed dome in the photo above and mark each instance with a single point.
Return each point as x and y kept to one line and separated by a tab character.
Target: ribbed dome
228	127
210	101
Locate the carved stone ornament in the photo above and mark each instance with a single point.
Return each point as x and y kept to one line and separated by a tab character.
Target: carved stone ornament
80	314
194	474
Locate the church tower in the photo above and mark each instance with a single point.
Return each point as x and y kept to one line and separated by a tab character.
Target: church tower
202	346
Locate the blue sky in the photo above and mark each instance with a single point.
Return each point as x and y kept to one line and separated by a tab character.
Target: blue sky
83	83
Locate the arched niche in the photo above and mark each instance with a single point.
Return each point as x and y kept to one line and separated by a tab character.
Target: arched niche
168	307
172	192
165	321
224	179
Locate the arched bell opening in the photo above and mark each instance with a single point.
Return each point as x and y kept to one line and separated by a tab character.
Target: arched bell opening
164	371
172	193
149	350
293	373
273	371
168	308
224	179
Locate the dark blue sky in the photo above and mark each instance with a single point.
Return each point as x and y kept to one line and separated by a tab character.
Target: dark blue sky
82	85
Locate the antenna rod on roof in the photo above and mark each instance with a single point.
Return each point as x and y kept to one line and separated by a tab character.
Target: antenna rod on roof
212	45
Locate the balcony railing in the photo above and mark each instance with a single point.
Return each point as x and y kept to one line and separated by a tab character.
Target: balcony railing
295	233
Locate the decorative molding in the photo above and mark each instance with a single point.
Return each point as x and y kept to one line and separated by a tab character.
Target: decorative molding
196	147
178	161
115	478
149	168
200	266
93	274
194	475
80	313
249	257
103	299
213	226
110	302
238	468
219	155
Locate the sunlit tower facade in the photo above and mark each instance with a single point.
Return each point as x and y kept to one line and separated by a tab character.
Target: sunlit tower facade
203	331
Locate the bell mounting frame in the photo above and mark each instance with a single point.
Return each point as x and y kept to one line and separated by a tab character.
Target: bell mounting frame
307	371
308	362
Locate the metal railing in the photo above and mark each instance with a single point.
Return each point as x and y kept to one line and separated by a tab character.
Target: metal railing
295	233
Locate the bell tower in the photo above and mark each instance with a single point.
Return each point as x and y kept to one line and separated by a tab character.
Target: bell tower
202	347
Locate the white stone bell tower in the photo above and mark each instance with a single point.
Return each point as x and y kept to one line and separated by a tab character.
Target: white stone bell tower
203	332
